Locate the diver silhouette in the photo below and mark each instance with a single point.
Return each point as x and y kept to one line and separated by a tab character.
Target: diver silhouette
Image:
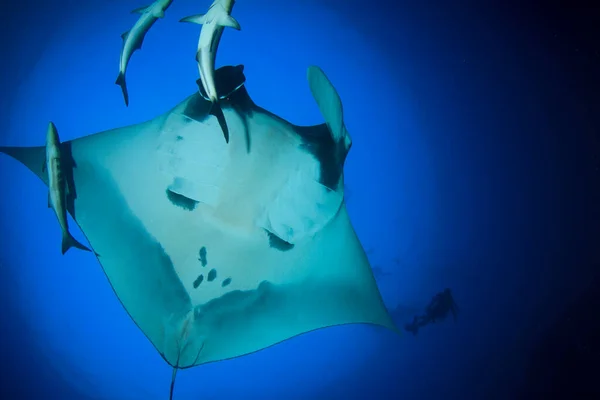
437	310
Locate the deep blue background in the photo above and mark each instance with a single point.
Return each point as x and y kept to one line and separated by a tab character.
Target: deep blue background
474	166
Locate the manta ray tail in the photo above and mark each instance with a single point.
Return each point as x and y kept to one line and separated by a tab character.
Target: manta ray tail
218	113
121	82
173	376
69	241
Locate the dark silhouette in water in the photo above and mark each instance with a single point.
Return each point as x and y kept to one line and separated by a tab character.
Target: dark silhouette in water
437	310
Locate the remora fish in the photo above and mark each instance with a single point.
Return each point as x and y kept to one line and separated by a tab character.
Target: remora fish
213	22
57	188
133	38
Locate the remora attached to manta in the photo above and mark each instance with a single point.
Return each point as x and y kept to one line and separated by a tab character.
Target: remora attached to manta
133	38
216	19
213	250
58	187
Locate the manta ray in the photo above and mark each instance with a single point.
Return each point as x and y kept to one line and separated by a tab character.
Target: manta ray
215	249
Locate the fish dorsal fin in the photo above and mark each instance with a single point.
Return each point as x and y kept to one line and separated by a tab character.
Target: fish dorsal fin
140	10
195	19
329	103
124	35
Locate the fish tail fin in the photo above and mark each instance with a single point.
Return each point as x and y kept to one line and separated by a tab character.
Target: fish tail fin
69	241
217	111
173	376
121	82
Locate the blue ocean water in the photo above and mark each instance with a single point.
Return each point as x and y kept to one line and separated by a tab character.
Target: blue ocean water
460	176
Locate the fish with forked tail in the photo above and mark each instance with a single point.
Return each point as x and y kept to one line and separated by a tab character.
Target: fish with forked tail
133	38
213	23
58	188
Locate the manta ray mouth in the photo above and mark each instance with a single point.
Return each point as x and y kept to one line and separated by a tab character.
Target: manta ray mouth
228	80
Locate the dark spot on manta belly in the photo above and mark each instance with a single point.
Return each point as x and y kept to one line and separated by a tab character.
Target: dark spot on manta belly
198	281
275	242
212	274
181	201
226	282
202	256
